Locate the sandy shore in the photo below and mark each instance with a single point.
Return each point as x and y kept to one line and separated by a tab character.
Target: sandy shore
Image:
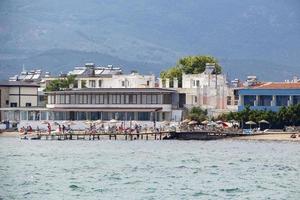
271	137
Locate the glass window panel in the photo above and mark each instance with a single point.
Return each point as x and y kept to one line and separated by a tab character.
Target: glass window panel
148	99
144	99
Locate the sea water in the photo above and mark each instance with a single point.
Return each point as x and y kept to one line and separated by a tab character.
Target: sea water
222	169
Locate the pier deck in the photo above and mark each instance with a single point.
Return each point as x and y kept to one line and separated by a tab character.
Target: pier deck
164	135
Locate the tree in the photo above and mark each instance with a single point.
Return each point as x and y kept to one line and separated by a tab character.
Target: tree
197	64
60	84
189	65
197	114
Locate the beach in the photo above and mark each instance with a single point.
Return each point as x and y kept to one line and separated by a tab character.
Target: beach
270	136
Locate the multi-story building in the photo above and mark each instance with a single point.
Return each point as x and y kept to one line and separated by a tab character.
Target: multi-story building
269	96
207	90
16	96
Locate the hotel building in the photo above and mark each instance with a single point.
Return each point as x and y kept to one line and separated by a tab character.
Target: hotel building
269	96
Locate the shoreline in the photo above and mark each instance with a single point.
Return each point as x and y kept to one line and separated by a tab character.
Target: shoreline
261	137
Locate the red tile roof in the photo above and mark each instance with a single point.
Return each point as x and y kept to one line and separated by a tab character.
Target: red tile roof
278	85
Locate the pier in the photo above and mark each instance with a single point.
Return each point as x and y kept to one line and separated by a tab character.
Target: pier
166	135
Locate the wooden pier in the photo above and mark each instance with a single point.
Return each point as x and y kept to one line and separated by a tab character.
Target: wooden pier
165	135
98	136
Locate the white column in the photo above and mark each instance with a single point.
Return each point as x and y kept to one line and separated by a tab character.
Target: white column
175	83
273	102
290	102
79	83
161	83
167	83
241	100
256	100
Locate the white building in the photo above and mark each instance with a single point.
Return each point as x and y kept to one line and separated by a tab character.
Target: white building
91	76
206	90
16	96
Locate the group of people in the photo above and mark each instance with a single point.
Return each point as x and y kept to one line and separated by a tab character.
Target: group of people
26	130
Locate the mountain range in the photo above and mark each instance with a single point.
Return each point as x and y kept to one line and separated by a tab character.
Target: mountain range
248	37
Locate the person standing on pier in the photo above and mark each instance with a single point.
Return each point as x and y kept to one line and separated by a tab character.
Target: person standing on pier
49	128
63	128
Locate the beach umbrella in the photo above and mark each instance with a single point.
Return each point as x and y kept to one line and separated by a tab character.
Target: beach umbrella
205	122
70	123
186	121
211	124
165	122
264	122
193	122
250	123
219	122
88	122
113	121
99	121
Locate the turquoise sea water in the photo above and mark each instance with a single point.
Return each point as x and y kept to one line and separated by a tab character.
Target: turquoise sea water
149	169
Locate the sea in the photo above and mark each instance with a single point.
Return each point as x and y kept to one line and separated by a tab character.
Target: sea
221	169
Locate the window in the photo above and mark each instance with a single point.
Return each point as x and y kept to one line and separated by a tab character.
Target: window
7	102
144	99
265	100
195	99
249	100
72	98
28	105
296	100
100	83
13	104
144	116
159	99
123	83
130	116
92	83
228	100
83	84
67	99
101	99
282	100
85	98
154	98
167	99
197	83
148	83
148	98
93	98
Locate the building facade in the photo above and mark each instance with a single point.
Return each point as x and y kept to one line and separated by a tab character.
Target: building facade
269	96
15	96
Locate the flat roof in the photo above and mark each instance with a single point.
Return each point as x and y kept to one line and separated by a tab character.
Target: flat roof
18	84
112	90
274	85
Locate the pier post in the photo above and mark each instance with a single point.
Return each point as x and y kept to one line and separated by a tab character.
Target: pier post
147	136
160	136
155	136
